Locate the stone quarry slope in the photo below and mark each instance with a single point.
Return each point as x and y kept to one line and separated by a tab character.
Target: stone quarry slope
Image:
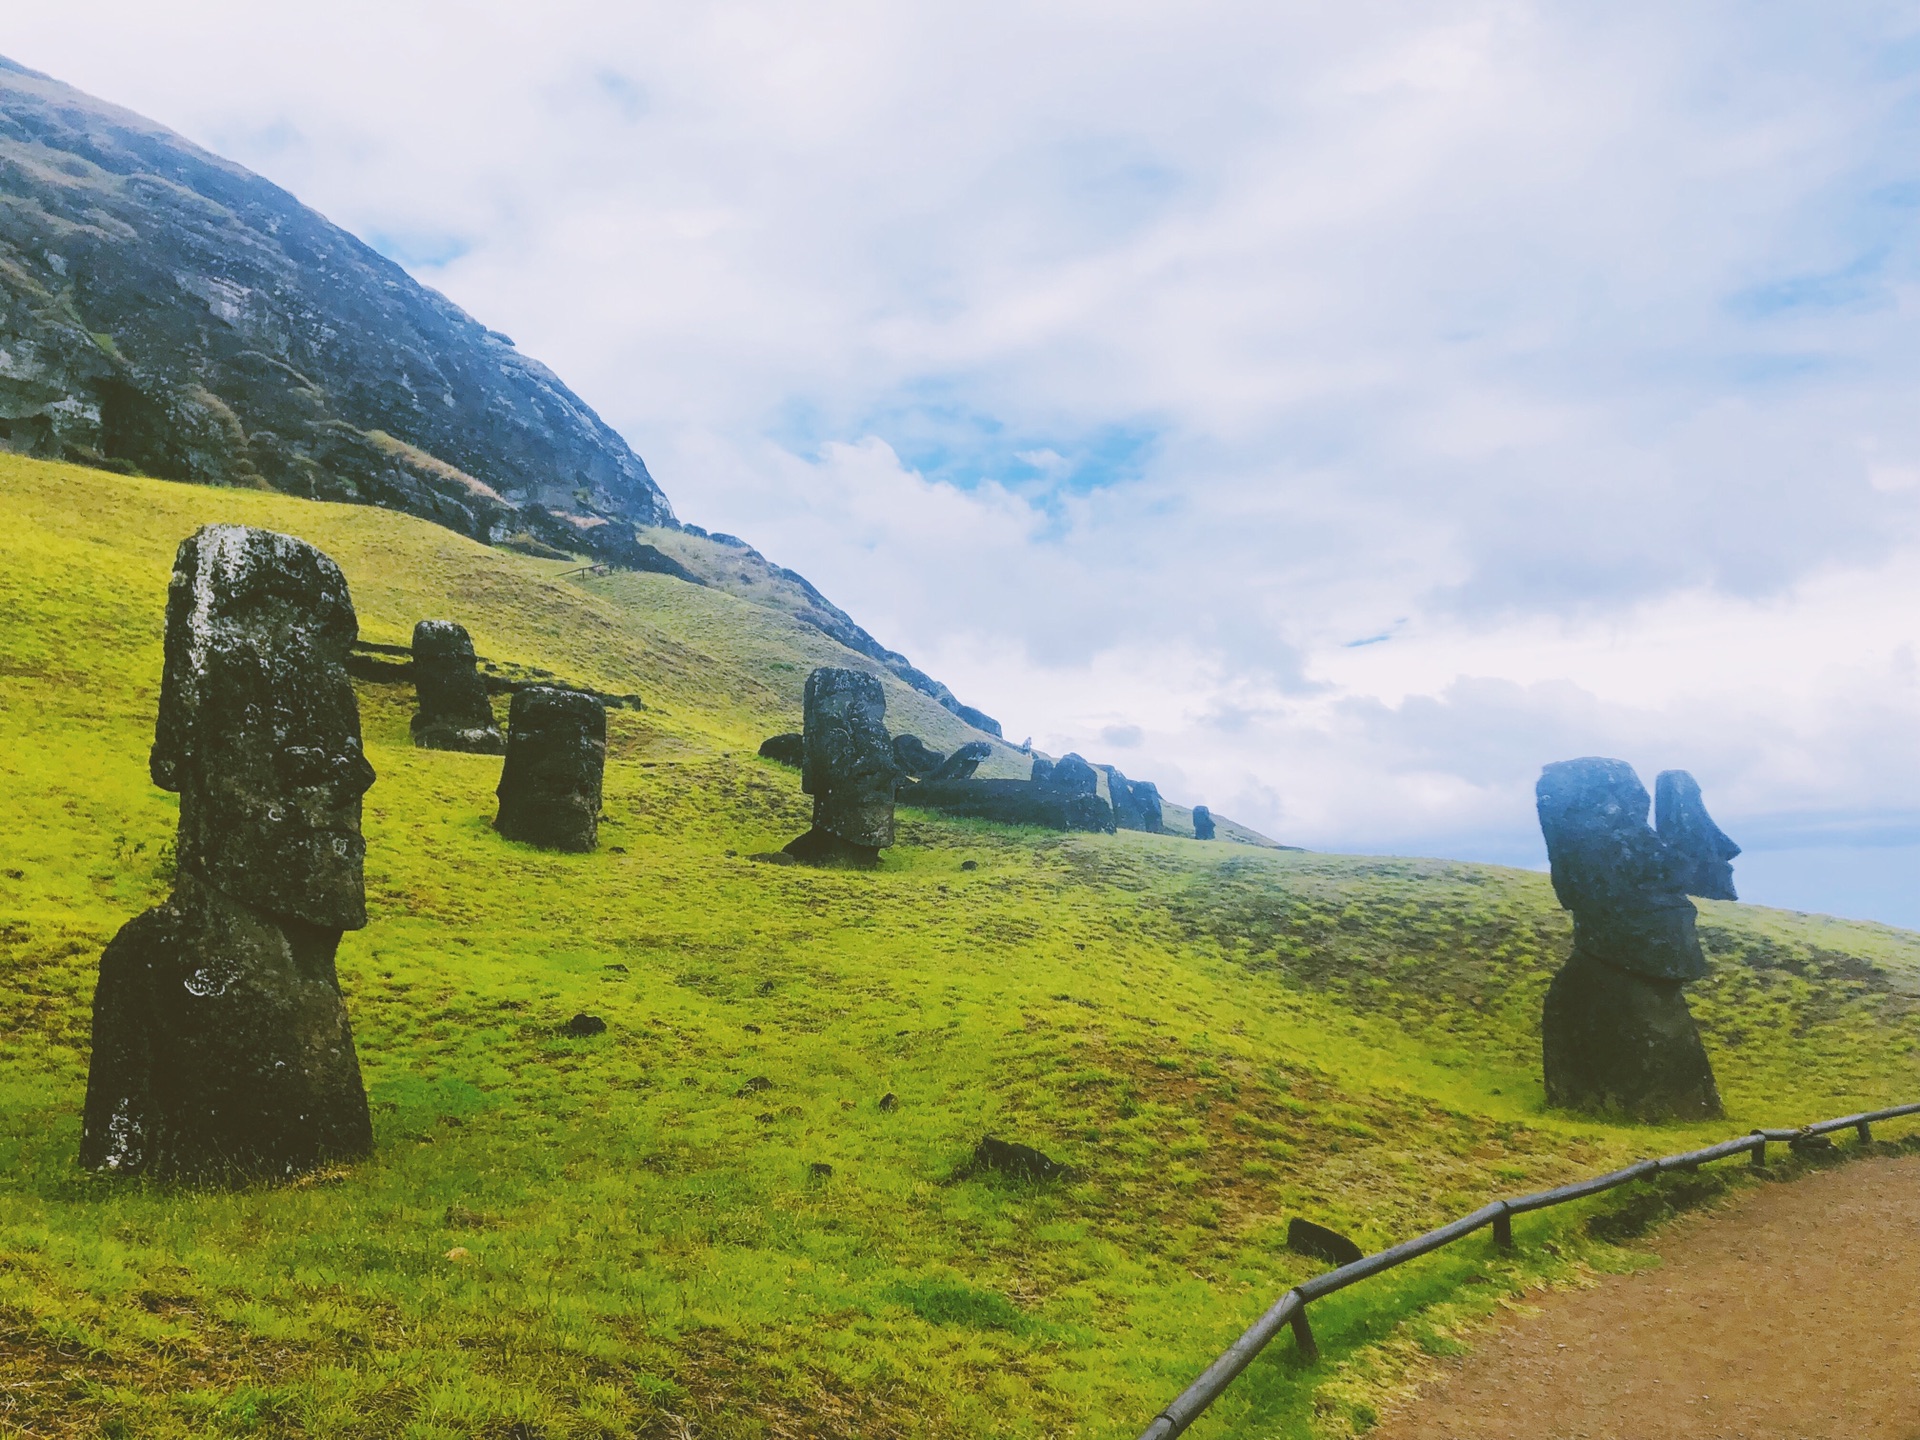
711	1219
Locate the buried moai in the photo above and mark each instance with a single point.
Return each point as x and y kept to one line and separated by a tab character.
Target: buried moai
848	766
454	713
1616	1034
1202	823
556	761
221	1045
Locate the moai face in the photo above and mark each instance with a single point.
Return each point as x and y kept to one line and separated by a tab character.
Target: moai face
849	766
1625	886
259	730
550	786
1680	815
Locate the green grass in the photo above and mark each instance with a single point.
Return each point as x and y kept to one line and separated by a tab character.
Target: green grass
1216	1037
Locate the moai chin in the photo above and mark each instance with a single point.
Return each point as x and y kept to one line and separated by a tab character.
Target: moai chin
1616	1034
454	713
556	762
221	1045
848	766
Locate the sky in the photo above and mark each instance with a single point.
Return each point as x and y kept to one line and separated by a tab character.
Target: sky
1330	411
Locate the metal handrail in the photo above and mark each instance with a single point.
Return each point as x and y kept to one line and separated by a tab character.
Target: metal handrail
1291	1309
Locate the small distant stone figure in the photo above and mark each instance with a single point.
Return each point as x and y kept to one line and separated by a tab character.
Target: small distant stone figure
222	1050
1616	1033
1070	775
961	764
1202	823
556	759
849	769
1680	816
454	713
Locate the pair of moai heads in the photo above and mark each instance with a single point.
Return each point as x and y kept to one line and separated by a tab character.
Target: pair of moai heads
221	1046
1626	882
555	746
1616	1033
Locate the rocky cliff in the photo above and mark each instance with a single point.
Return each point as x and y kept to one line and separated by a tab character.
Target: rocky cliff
167	312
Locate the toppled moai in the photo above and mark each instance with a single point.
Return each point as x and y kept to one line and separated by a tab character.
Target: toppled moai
556	759
961	764
915	757
848	768
1202	823
1616	1034
788	749
454	713
222	1050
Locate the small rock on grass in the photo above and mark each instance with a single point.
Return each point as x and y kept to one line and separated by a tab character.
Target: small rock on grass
1014	1160
584	1024
753	1087
889	1101
1317	1241
459	1252
819	1171
773	857
969	864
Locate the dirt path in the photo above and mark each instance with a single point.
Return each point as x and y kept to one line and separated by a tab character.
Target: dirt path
1793	1312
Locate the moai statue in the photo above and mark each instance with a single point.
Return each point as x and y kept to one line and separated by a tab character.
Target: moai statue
454	712
556	760
1681	818
849	769
1616	1033
1069	774
1202	823
1136	803
221	1046
961	764
914	756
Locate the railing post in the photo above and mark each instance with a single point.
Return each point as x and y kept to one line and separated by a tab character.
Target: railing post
1303	1337
1759	1151
1503	1230
1865	1131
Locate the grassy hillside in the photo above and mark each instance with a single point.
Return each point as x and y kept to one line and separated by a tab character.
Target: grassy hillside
625	1235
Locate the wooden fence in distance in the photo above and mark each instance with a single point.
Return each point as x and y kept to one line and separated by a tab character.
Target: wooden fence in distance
1291	1309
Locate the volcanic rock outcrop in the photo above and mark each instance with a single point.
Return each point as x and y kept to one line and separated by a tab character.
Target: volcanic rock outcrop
1202	823
221	1045
1616	1033
848	768
556	758
453	713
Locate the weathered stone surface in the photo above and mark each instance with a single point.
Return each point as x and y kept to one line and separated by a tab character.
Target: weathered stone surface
1619	1042
221	1044
1136	803
1069	774
1015	1160
915	757
556	759
1616	1034
1011	802
789	749
961	764
1304	1237
1202	823
453	712
848	768
1707	855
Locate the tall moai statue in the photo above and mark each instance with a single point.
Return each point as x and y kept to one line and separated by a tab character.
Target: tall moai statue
848	766
1616	1034
1203	828
454	713
556	762
221	1045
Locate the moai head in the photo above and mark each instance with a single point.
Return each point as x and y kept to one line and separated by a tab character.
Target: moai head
1202	823
849	766
1680	815
259	731
1070	775
556	761
453	713
1625	886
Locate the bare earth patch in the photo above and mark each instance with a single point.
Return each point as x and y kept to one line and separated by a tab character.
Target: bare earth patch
1793	1312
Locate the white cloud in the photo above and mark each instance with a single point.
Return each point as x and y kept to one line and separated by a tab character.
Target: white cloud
1124	363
